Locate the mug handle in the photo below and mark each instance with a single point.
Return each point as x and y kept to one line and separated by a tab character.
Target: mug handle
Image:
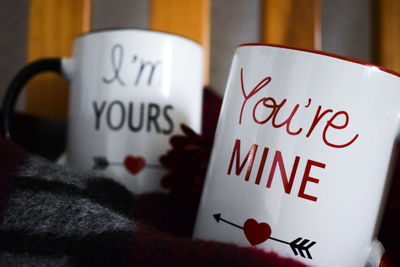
18	83
377	256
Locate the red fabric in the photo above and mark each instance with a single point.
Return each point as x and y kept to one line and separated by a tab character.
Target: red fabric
389	233
11	158
211	108
163	239
154	248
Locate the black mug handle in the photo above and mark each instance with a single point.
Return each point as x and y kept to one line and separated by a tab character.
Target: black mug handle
18	83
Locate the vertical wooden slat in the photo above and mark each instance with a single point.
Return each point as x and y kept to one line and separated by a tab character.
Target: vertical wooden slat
53	25
389	34
187	18
292	22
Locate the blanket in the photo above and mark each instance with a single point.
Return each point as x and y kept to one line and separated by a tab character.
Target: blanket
52	215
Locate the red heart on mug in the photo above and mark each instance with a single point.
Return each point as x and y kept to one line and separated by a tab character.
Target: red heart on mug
134	164
256	232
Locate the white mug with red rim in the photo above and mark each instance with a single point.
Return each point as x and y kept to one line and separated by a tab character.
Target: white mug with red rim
302	155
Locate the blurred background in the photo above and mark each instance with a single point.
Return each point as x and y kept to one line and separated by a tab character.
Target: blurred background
347	27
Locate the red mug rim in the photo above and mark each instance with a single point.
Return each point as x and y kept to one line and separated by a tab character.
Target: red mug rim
357	61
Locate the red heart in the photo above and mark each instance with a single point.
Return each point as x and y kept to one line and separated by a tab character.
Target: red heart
134	164
256	232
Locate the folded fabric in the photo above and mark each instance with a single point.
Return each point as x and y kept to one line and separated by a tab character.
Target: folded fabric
52	215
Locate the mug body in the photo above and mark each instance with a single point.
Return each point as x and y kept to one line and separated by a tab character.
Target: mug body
301	155
130	91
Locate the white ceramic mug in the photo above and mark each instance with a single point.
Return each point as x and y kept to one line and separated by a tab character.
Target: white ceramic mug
130	91
302	154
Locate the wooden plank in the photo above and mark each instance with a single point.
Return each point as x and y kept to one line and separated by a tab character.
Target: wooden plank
187	18
53	25
292	22
388	34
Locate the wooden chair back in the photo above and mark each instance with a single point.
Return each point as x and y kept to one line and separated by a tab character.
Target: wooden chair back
53	25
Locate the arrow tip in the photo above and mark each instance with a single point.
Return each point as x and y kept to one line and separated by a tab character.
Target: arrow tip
217	217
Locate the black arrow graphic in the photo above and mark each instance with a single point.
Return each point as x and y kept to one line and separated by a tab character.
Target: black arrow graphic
298	246
102	163
218	218
302	246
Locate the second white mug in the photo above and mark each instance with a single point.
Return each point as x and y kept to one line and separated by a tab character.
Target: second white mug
130	90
